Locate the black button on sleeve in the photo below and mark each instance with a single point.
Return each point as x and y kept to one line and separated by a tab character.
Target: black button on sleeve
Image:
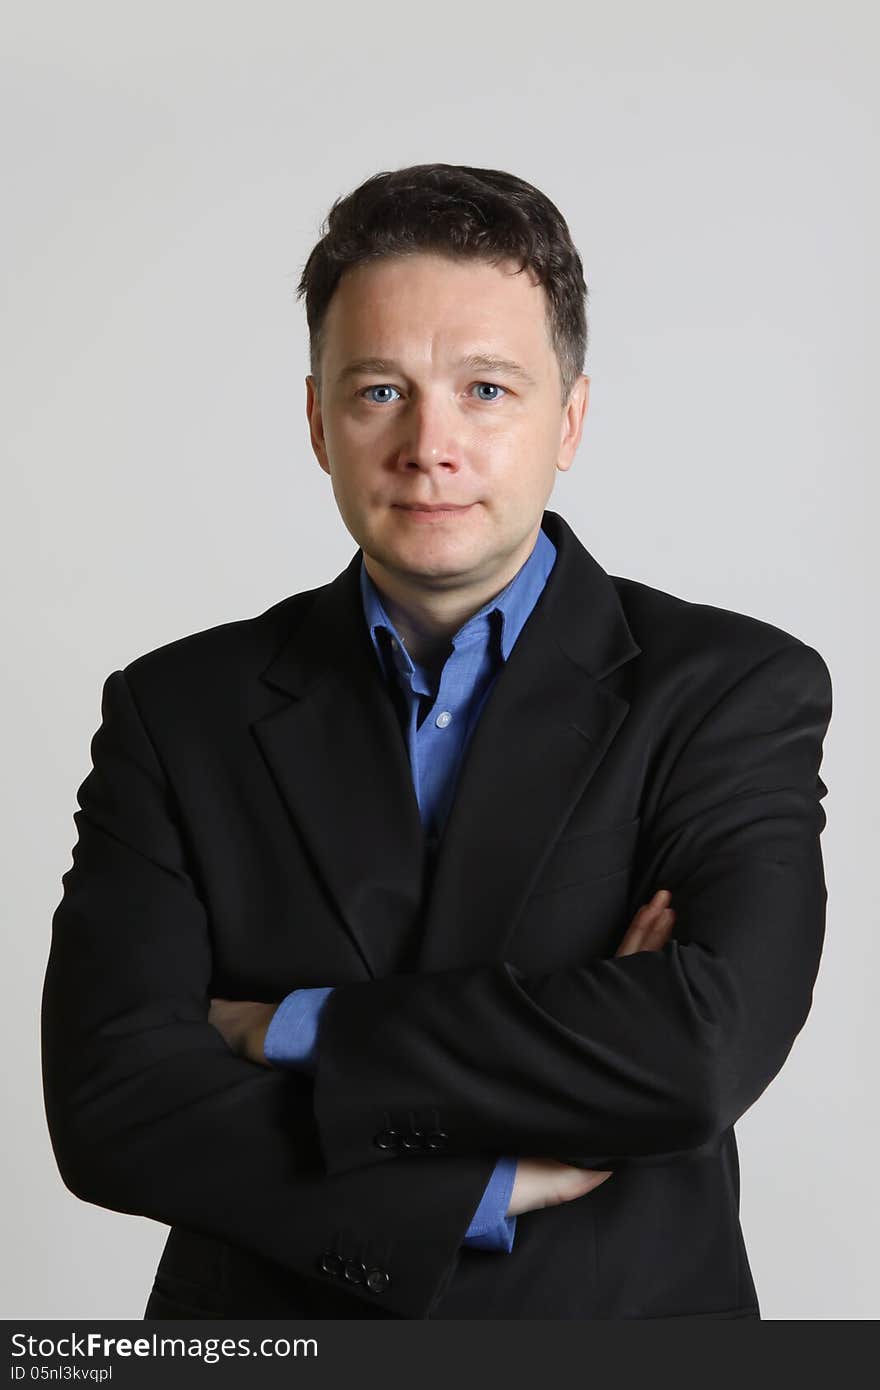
355	1271
377	1280
387	1139
436	1139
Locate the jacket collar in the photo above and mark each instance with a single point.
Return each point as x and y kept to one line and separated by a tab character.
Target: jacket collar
513	605
338	756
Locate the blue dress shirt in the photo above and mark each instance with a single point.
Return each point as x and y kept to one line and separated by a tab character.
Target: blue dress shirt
440	718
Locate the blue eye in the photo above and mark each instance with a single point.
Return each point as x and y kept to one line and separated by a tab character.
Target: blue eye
383	387
387	399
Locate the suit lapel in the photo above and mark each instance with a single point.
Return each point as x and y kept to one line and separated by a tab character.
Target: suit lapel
542	734
338	756
339	759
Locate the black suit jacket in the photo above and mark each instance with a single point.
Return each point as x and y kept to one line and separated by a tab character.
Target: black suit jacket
250	826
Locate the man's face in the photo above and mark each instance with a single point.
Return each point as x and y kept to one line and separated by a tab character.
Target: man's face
422	424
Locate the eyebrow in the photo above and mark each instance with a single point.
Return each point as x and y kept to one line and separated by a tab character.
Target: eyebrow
474	361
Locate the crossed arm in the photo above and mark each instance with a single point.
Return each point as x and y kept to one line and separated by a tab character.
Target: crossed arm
639	1059
537	1182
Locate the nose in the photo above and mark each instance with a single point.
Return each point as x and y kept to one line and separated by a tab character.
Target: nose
429	438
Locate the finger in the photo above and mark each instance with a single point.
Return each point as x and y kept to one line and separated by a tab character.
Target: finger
634	935
660	931
651	911
662	922
642	923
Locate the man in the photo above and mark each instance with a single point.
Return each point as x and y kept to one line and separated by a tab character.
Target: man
364	979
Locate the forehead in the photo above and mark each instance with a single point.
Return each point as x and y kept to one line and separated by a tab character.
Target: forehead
430	300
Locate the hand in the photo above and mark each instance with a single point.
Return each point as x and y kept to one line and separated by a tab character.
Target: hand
651	927
244	1024
545	1182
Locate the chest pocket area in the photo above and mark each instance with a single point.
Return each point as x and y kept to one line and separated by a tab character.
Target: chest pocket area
586	856
576	910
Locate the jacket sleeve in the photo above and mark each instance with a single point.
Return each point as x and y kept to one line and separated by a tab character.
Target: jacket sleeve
150	1112
291	1041
644	1058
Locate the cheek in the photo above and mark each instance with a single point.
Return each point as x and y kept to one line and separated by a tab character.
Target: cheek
340	439
523	439
348	429
506	450
522	466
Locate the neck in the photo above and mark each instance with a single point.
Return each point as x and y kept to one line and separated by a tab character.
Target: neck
428	618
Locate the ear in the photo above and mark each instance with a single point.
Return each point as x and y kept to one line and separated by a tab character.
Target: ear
316	423
573	423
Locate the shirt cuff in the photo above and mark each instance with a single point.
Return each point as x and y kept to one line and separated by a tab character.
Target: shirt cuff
490	1228
292	1035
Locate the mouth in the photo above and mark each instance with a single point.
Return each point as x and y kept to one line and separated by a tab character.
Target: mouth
433	508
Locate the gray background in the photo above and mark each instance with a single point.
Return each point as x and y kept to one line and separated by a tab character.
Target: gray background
167	168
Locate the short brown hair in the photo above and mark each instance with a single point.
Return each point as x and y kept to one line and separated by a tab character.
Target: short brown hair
478	214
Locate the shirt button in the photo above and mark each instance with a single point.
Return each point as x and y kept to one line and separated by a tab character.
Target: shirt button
394	644
443	720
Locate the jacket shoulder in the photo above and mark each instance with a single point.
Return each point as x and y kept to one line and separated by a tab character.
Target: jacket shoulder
671	629
223	652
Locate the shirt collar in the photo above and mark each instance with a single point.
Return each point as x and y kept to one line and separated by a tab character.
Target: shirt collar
514	604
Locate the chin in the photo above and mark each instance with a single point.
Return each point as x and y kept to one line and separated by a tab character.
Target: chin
420	566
